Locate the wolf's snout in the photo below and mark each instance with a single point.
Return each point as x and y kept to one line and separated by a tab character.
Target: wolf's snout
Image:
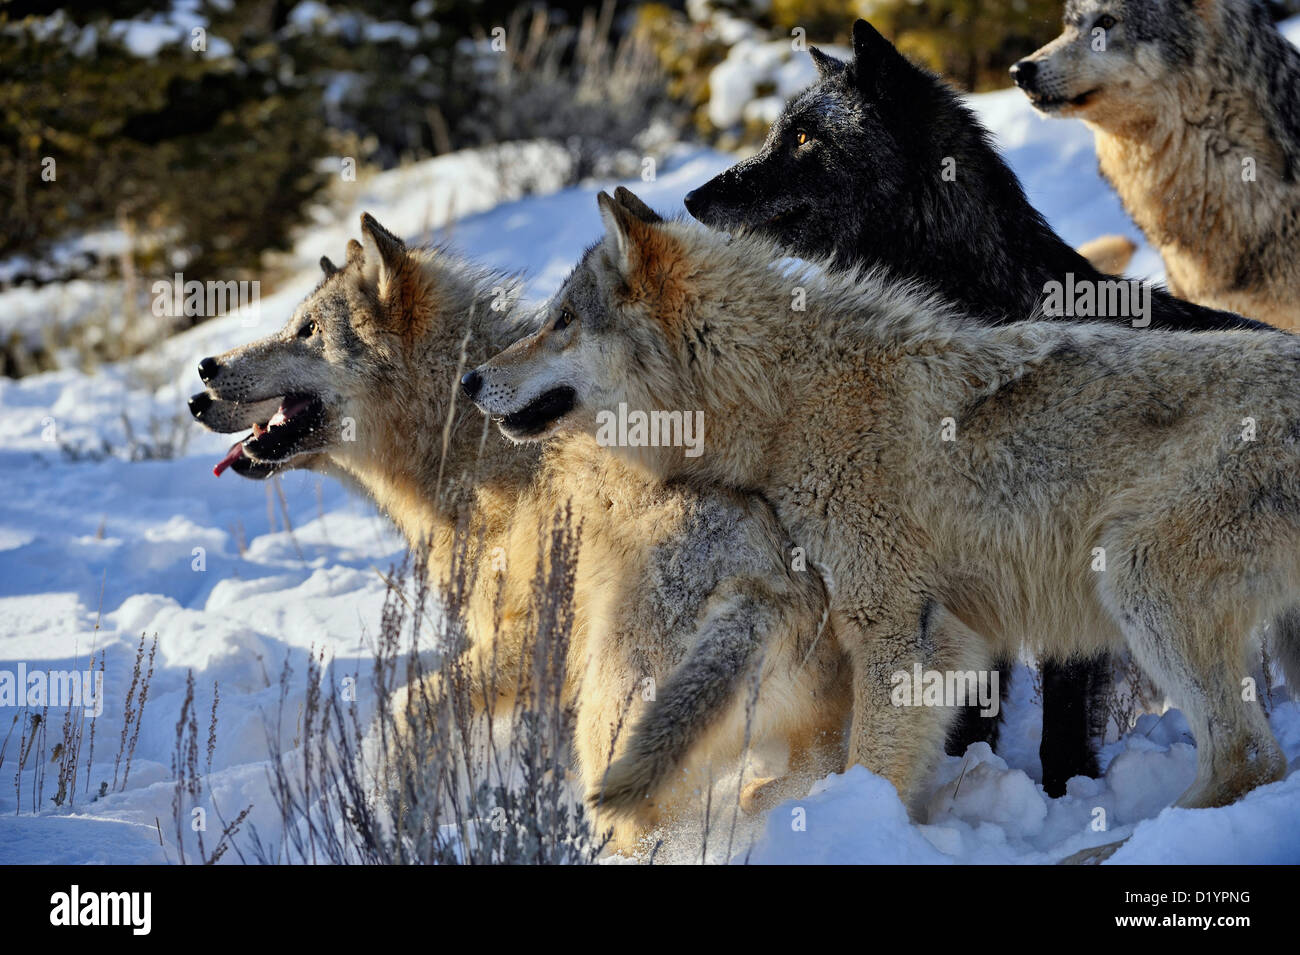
471	384
200	403
1024	73
208	369
694	201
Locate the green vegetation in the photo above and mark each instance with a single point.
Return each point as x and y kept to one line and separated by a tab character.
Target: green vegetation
216	153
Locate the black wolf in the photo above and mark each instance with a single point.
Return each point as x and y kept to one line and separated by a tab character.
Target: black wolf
880	163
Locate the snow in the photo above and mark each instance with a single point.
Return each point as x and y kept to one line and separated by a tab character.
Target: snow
127	535
309	12
146	38
390	31
757	74
814	830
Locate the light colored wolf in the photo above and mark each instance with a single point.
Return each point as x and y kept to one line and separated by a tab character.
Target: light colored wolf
1109	253
965	490
693	590
1196	111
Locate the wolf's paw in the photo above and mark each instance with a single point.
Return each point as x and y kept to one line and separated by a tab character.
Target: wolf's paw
1094	856
760	795
626	787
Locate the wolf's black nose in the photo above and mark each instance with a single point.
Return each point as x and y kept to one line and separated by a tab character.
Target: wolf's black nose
1024	73
207	368
200	403
692	202
471	384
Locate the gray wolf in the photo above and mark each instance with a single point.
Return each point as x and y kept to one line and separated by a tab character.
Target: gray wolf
1196	111
966	490
693	590
880	163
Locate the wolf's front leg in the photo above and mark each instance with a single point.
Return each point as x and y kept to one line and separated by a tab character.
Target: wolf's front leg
897	730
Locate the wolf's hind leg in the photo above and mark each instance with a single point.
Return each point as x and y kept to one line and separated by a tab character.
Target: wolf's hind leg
1193	646
1073	693
816	751
970	727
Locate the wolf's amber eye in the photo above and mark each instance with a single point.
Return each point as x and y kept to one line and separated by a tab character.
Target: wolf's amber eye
1105	21
801	137
308	330
562	322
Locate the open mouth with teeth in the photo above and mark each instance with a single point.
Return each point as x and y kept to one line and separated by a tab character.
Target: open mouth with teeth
293	428
539	414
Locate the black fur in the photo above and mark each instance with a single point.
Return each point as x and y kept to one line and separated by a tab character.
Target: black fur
1072	712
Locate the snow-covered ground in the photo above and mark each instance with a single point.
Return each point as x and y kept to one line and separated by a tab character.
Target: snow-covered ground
232	589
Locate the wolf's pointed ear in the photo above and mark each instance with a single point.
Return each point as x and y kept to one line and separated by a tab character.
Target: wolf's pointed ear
827	65
630	201
356	254
643	254
868	44
385	254
391	249
876	61
328	267
620	227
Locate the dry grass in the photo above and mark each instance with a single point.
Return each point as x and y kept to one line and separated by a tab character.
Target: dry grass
31	746
578	86
164	437
1131	693
191	787
133	712
426	780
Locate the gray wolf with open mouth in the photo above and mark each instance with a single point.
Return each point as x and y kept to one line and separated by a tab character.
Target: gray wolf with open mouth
692	590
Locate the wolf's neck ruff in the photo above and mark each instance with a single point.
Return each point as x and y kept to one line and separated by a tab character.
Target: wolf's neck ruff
975	237
444	437
981	244
745	358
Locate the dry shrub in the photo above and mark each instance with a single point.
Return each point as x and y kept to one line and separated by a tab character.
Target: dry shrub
425	780
579	86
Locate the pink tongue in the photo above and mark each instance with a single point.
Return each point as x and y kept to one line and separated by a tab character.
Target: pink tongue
236	451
